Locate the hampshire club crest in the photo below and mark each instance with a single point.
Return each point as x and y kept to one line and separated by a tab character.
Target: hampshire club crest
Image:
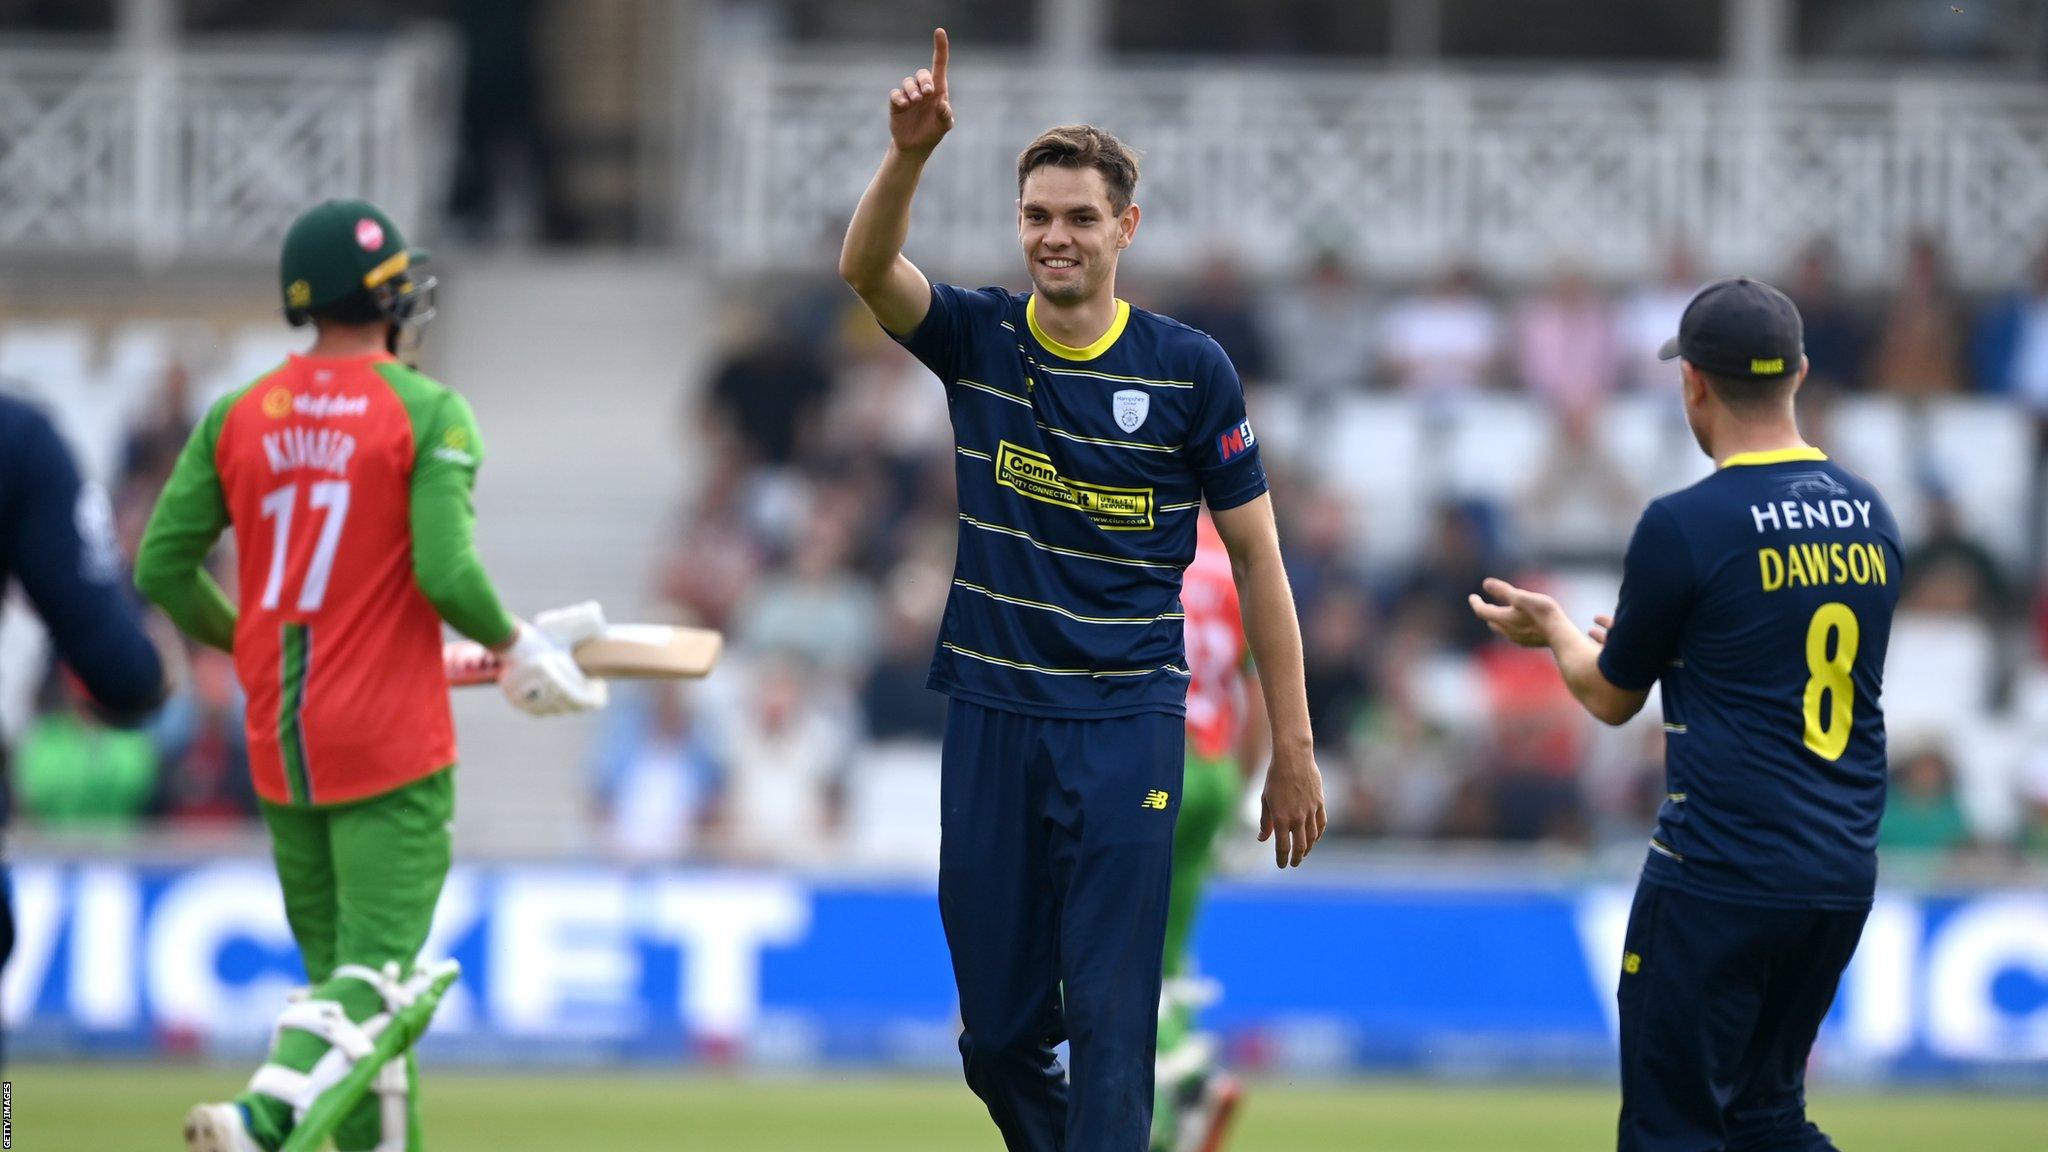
1131	407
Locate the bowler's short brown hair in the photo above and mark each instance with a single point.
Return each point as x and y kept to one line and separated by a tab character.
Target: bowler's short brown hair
1084	146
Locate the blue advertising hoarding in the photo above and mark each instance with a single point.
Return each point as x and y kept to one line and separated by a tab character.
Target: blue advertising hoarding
587	963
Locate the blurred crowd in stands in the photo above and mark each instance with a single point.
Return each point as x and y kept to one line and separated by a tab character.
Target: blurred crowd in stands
1418	438
823	546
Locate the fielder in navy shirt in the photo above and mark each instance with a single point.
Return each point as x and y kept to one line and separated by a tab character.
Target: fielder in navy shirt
1761	600
57	542
1087	435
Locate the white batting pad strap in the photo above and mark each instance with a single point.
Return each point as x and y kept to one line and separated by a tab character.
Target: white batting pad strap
424	975
1196	992
336	1064
1196	1054
326	1074
329	1021
396	995
281	1083
294	996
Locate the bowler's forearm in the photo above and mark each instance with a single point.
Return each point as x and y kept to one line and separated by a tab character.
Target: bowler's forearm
881	224
1275	636
1255	740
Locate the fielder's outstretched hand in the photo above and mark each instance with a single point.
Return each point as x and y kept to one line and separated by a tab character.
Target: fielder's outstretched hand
1525	617
541	677
920	112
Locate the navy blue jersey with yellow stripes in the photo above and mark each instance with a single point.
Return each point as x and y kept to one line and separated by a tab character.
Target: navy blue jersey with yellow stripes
1762	599
1080	472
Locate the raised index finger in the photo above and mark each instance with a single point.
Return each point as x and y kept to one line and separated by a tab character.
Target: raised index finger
941	48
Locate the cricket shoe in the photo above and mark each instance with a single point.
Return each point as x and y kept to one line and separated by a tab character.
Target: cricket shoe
219	1128
1205	1126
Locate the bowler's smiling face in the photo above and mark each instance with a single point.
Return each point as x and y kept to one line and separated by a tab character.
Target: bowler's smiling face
1070	232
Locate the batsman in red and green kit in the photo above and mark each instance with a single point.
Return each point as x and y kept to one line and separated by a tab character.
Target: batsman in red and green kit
345	477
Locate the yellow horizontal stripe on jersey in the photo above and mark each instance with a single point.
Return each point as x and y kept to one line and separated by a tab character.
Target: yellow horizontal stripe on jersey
1055	549
1076	616
978	386
1058	371
1131	444
1020	666
965	451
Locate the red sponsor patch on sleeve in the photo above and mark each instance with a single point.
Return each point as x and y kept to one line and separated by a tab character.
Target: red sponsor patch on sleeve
1235	442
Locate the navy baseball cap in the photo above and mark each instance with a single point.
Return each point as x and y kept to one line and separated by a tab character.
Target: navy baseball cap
1739	329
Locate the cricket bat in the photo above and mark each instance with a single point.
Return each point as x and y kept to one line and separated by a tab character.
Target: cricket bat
620	652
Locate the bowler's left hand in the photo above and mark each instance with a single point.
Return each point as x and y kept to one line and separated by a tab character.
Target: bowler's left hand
1291	808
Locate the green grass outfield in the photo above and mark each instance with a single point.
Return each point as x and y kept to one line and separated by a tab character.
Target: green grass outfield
137	1108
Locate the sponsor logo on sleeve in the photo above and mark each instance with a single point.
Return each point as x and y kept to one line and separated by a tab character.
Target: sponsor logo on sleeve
1235	442
454	447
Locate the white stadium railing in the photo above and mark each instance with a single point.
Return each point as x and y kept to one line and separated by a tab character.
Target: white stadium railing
209	152
1409	171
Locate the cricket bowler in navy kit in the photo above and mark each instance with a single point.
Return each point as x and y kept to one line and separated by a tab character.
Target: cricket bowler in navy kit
1761	598
1088	434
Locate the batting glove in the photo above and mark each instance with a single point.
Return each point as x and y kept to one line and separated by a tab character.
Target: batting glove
541	677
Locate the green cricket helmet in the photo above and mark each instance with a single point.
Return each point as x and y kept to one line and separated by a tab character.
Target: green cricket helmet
346	259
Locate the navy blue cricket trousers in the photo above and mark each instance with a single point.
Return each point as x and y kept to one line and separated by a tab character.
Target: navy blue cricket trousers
1056	855
1720	1003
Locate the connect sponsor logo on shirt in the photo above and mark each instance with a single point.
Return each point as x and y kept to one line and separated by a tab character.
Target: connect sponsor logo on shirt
1034	475
1235	442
